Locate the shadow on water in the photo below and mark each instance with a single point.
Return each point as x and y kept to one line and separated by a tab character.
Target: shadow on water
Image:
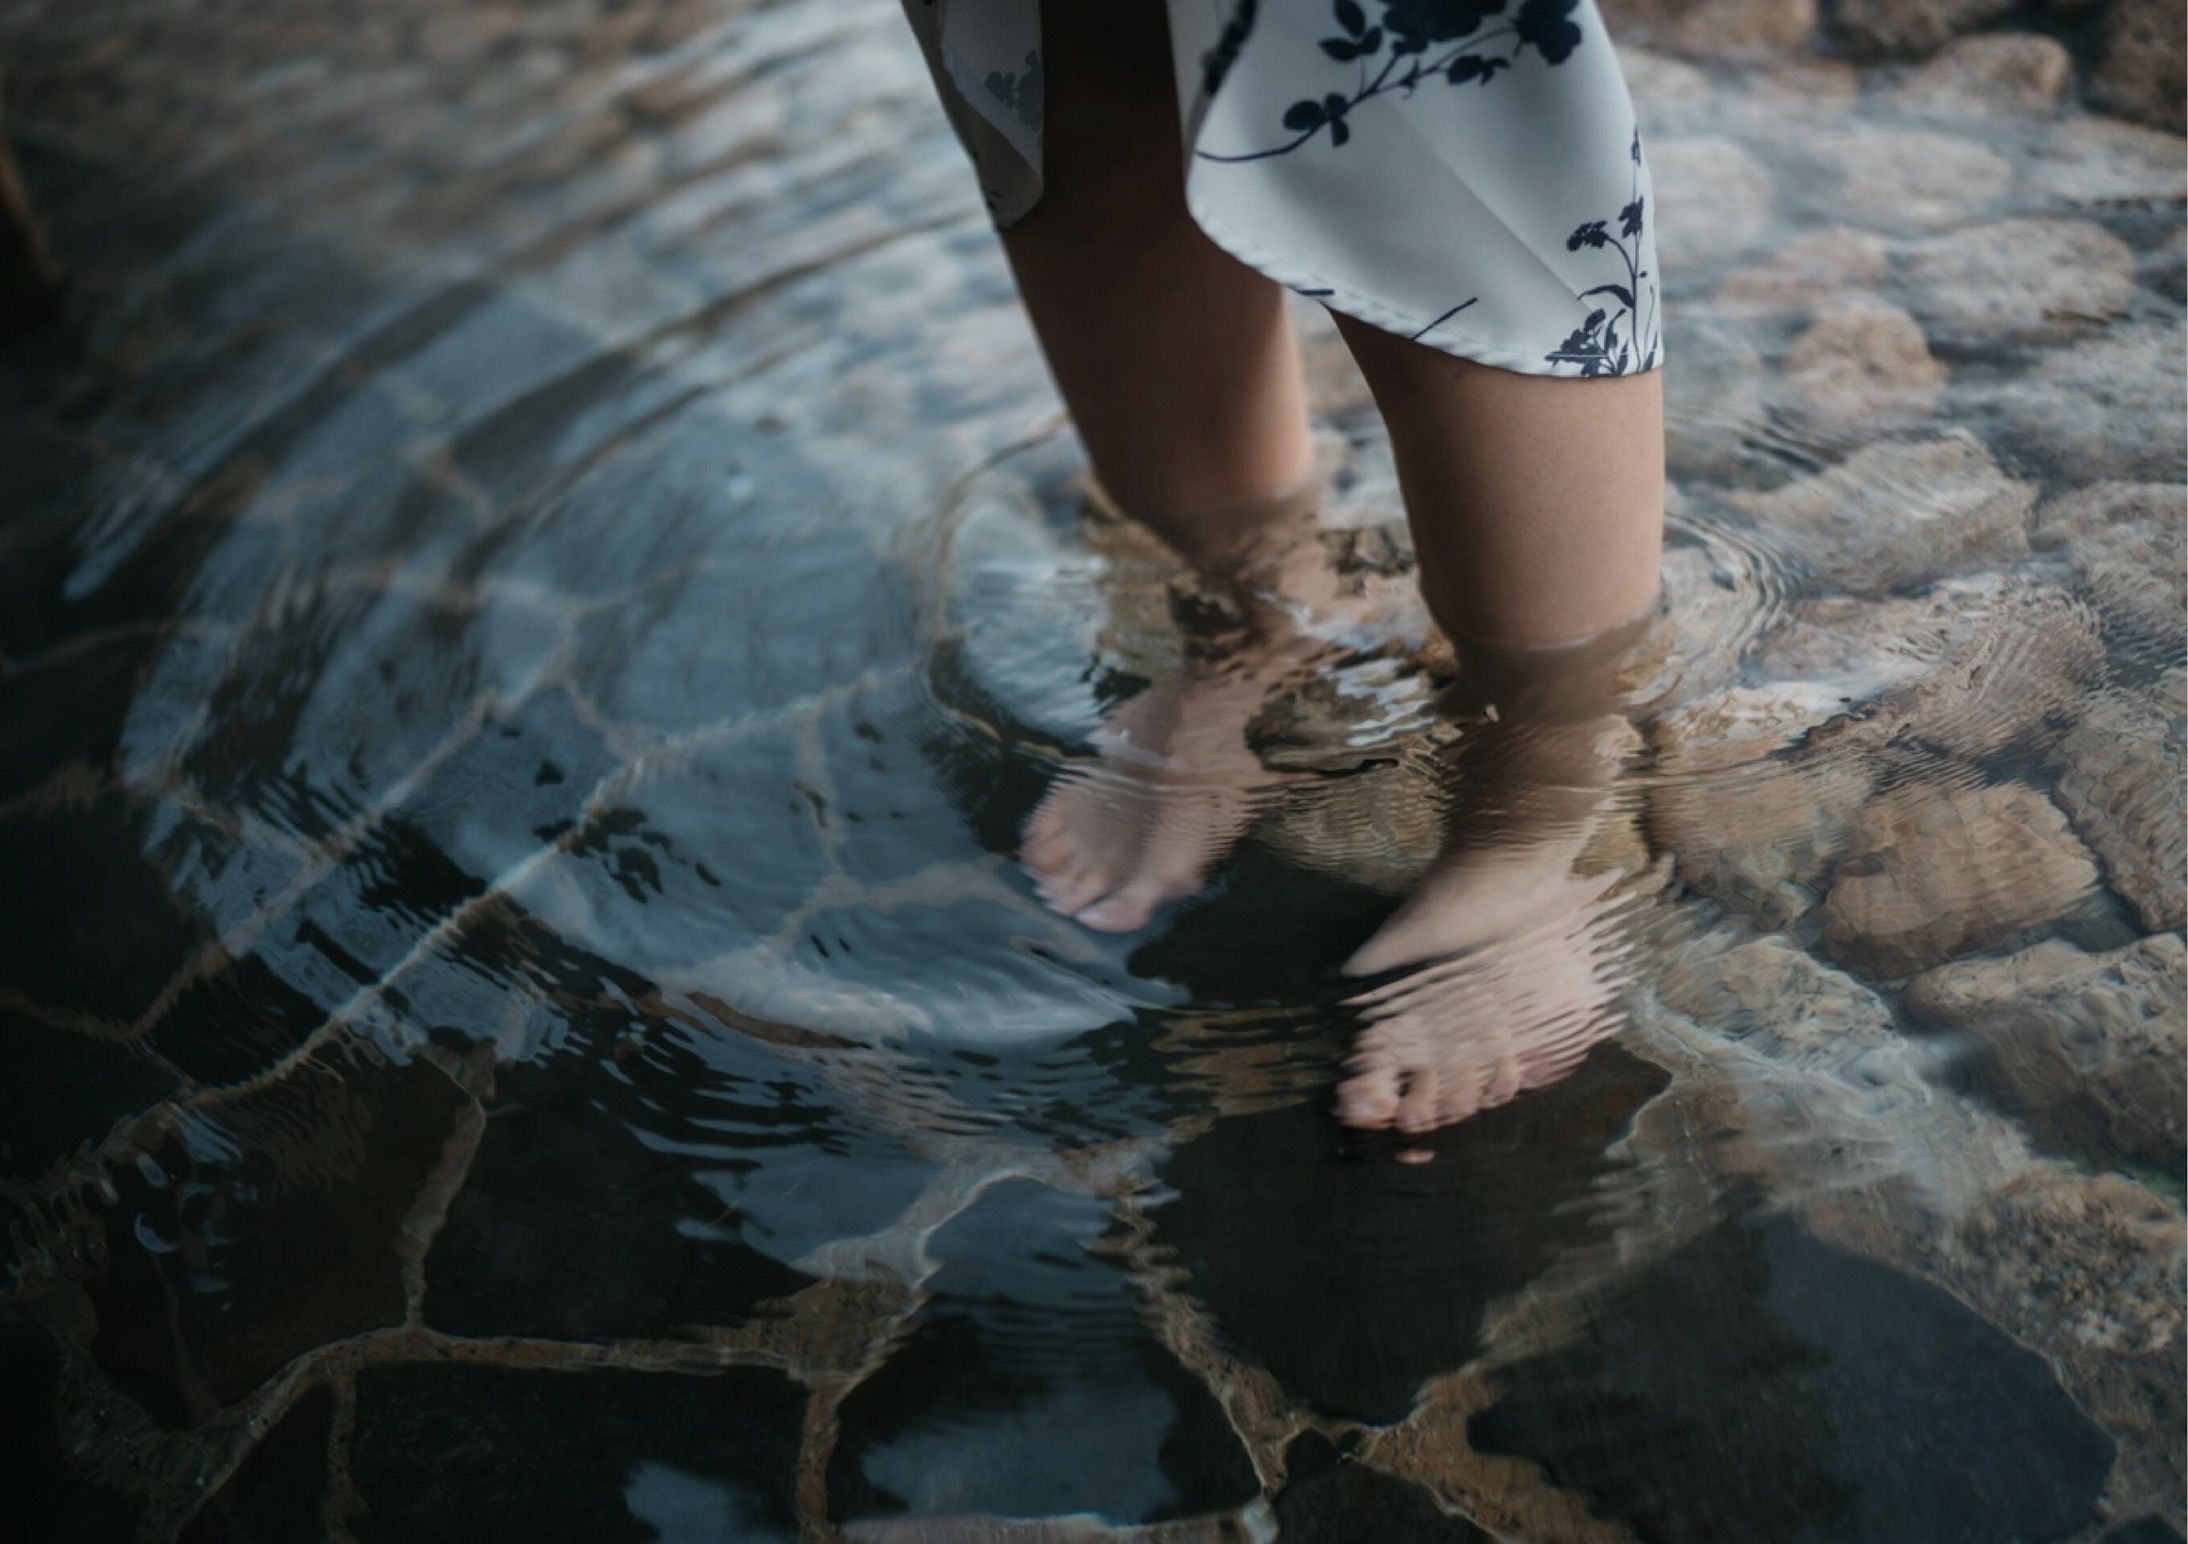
544	583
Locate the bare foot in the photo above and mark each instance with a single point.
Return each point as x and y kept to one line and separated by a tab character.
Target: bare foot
1513	1004
1172	793
1516	958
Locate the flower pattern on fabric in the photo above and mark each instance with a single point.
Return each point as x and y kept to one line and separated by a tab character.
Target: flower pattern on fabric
1466	173
1596	347
1406	40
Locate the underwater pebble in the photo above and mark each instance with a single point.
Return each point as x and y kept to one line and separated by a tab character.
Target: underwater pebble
1897	514
1935	872
2083	1049
1809	268
2141	72
2019	280
2121	785
1862	363
2109	408
2017	75
2127	540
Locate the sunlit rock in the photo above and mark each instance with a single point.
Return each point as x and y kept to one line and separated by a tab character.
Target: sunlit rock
1935	872
1896	514
1862	363
2084	1049
2121	783
1994	75
2111	407
2019	280
2126	540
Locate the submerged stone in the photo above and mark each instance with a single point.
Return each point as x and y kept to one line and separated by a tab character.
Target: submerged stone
1033	1385
471	1451
1355	1281
1760	1384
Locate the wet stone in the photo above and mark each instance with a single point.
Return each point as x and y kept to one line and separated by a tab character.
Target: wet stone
1910	28
278	1491
1033	1386
1737	29
2083	1049
2120	783
2129	543
90	926
1807	268
2095	163
265	1231
1715	201
2113	407
1903	179
1713	390
637	1238
1273	1226
1863	364
2142	71
1760	1384
454	1451
2019	280
65	1091
1933	873
2004	75
1330	1499
1897	514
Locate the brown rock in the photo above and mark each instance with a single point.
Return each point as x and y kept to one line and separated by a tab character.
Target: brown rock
2141	71
1897	514
1763	838
2130	543
2111	407
1771	996
1998	74
1807	272
1863	363
2021	655
2019	280
1910	29
1935	872
1972	667
2122	785
1909	179
2085	1269
1714	201
2085	1050
1725	28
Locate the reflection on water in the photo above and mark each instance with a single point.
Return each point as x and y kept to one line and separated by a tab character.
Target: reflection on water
544	586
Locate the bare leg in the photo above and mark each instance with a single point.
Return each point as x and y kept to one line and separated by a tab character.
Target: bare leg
1177	361
1183	379
1537	504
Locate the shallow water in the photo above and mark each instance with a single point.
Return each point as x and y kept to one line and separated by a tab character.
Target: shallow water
543	579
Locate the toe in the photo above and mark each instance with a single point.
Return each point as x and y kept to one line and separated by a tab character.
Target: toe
1126	910
1418	1109
1369	1098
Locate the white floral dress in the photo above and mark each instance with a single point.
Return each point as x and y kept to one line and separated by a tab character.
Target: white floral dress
1464	172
